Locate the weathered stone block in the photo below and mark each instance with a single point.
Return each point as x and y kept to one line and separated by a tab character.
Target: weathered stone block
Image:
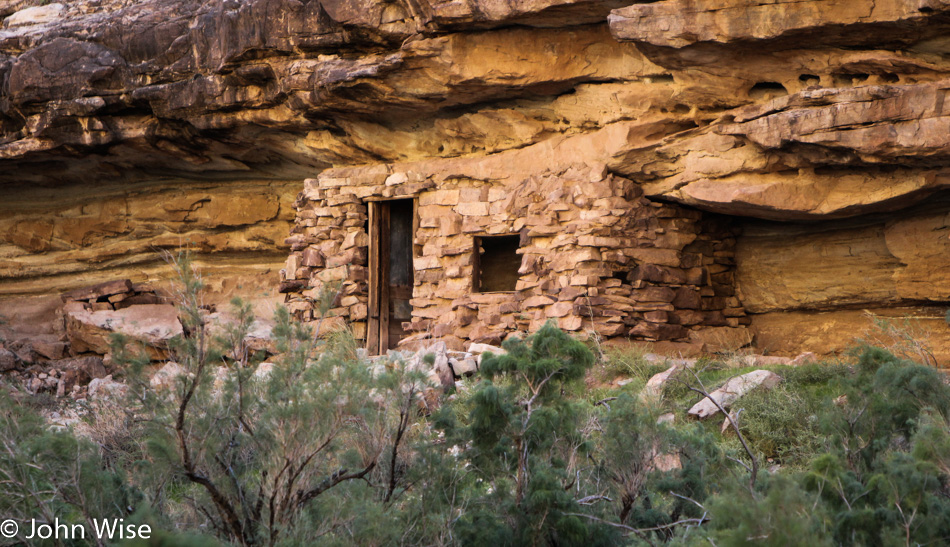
470	209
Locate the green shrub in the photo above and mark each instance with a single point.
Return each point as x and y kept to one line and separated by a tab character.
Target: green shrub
780	513
781	424
47	474
327	449
528	446
253	457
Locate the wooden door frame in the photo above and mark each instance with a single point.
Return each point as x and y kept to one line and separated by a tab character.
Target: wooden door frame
377	327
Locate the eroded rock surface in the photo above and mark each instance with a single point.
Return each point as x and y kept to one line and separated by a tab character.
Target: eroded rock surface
151	324
816	130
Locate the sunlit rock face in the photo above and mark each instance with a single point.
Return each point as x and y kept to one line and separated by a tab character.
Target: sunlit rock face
817	130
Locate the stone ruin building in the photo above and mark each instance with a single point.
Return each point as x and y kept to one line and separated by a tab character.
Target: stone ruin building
428	252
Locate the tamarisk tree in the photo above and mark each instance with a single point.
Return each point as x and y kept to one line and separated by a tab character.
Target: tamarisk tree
251	450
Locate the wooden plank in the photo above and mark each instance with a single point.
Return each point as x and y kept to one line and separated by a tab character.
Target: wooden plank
384	306
416	248
476	265
372	327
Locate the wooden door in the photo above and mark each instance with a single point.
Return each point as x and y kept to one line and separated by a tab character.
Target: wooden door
391	230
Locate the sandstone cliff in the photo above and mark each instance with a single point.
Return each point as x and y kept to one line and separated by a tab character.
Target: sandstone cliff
817	129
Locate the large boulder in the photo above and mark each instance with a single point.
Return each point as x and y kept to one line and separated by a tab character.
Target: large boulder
464	366
480	350
152	324
36	15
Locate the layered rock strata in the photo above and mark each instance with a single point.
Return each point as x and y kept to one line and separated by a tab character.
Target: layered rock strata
808	131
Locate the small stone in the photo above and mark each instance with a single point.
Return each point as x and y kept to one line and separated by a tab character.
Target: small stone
727	424
654	388
106	388
464	367
769	360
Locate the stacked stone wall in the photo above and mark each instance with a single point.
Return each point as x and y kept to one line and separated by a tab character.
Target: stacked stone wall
596	256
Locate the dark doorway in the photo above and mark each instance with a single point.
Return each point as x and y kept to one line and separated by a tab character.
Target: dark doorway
391	230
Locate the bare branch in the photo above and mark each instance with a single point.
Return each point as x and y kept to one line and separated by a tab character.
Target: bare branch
689	499
753	472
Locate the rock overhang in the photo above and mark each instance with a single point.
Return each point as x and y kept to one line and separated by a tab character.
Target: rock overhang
831	110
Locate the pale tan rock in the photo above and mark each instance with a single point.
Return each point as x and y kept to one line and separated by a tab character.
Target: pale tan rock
464	367
756	360
653	389
667	462
263	371
152	325
221	375
679	23
732	390
727	423
166	378
105	389
479	349
36	15
833	332
259	336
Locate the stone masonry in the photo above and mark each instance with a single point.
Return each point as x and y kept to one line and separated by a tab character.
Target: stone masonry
596	256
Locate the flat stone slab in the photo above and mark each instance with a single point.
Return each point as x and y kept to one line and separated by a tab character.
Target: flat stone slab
152	324
732	390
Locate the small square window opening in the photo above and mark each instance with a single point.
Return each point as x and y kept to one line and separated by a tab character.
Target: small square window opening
497	263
